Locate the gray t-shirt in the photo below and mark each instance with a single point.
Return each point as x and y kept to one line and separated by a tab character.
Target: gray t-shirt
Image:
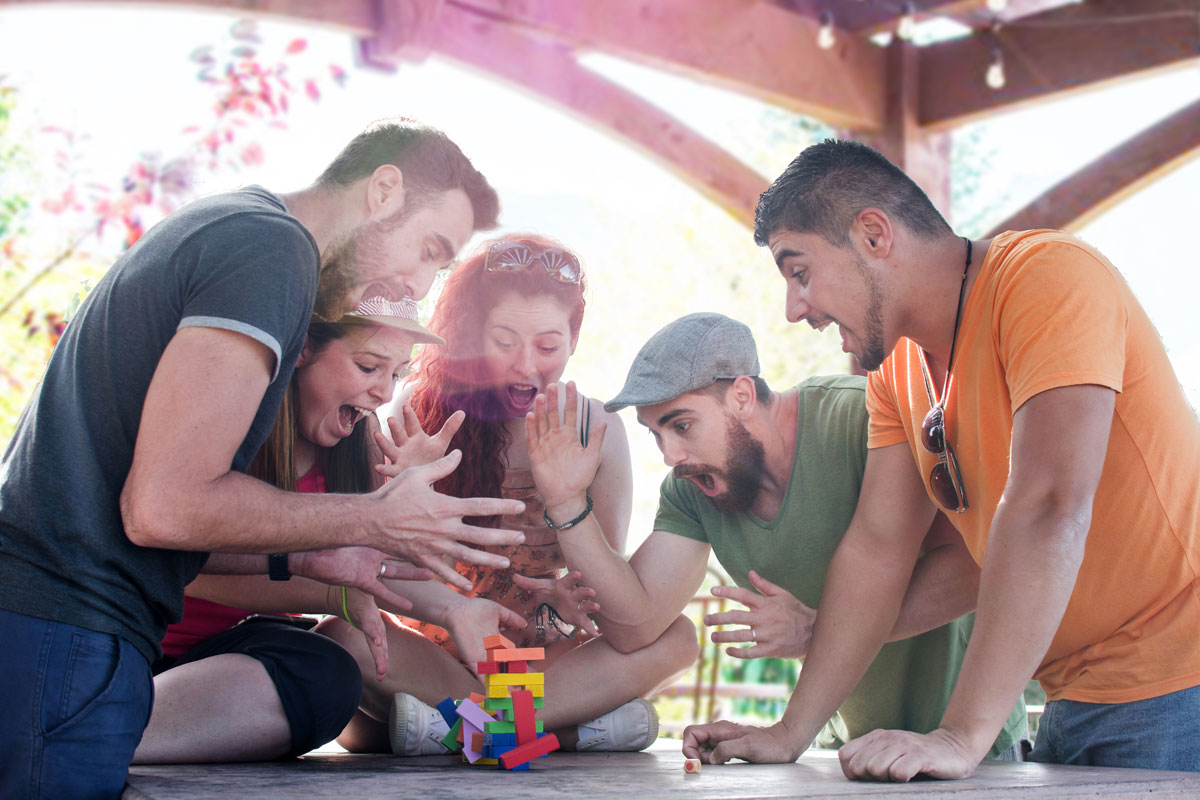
236	261
909	683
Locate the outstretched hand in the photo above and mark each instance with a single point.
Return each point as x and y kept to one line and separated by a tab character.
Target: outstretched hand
776	623
361	568
563	468
416	523
473	619
409	445
570	599
362	612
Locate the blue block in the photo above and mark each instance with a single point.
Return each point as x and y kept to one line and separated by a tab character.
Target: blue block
449	711
509	740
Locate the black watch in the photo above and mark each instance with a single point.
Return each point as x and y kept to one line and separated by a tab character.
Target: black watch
277	567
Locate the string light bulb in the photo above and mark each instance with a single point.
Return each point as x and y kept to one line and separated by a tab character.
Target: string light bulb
908	23
826	38
995	71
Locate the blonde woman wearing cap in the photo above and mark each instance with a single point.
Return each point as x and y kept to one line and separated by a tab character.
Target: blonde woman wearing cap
511	315
236	685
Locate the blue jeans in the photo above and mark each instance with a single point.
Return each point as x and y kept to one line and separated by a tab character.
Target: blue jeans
1158	733
73	704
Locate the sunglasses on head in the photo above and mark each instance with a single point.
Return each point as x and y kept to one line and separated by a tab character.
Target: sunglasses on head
560	264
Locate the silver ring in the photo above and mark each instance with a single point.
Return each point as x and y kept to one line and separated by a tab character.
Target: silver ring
754	635
382	568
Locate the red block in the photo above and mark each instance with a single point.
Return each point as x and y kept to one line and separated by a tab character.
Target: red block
523	716
523	753
514	666
488	667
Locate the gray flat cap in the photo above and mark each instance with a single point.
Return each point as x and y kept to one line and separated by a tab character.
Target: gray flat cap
688	354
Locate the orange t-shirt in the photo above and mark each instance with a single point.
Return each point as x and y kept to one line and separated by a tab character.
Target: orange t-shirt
1048	311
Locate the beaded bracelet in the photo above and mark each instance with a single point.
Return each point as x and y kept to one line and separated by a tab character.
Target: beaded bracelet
550	523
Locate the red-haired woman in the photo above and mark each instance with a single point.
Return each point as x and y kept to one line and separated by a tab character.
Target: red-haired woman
511	316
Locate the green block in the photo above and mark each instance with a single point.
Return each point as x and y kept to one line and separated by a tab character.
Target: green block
505	727
450	740
505	703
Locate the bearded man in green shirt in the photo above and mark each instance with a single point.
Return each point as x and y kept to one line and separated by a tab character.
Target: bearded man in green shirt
768	481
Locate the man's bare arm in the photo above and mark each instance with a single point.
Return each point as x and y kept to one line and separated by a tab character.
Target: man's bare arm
181	493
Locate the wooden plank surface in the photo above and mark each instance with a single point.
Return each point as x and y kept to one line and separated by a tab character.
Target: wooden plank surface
657	773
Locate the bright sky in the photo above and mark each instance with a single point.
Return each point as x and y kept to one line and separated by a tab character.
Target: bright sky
122	76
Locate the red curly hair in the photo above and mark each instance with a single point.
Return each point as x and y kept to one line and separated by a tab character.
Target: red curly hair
450	378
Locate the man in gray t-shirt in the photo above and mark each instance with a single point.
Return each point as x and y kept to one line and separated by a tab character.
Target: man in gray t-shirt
127	467
768	482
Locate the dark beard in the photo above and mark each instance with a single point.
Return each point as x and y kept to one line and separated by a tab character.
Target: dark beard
872	344
340	265
745	462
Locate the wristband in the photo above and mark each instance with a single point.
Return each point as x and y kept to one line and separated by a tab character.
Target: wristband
550	523
277	567
346	611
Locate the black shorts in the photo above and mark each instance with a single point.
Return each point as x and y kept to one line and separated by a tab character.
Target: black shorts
318	682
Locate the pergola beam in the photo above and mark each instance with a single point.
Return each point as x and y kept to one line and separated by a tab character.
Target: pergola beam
749	46
1049	54
507	52
1116	175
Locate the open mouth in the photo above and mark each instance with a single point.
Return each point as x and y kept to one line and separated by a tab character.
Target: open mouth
349	416
521	395
705	483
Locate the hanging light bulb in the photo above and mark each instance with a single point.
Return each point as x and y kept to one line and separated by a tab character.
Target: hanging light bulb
907	23
995	71
826	38
997	6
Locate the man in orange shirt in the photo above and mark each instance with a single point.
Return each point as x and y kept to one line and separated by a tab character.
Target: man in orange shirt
1030	390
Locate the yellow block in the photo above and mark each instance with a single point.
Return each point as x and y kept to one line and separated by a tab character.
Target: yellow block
514	679
502	690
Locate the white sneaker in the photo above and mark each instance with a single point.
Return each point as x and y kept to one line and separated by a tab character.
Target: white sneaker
416	729
626	728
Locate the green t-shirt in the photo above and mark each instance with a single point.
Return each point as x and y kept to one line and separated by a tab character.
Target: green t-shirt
909	683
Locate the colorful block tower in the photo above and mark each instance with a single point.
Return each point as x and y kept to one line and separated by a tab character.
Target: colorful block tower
501	726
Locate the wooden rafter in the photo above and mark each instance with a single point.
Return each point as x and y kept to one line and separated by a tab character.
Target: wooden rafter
753	47
1122	171
1047	55
507	52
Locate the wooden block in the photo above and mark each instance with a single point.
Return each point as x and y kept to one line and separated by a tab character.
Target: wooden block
502	690
523	753
692	766
500	704
449	710
523	716
487	667
518	654
450	740
487	762
497	641
517	679
476	698
472	713
508	726
472	742
516	666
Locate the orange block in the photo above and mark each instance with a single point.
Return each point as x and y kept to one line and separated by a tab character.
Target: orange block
497	641
477	698
518	654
